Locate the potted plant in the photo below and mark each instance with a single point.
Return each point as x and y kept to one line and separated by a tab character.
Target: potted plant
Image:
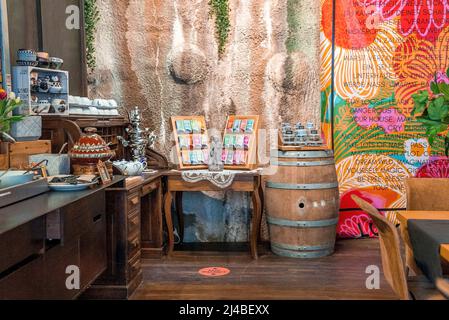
7	105
431	108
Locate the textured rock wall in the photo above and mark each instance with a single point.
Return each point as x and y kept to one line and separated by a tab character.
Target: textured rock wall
162	55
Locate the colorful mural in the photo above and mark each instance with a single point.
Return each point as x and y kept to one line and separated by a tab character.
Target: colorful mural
374	55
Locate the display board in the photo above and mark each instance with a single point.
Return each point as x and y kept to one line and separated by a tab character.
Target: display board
192	142
240	142
375	55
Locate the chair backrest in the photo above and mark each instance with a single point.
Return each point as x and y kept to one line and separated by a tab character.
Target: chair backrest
423	195
393	266
443	286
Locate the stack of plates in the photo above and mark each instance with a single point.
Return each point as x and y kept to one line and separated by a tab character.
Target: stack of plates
97	107
26	63
63	186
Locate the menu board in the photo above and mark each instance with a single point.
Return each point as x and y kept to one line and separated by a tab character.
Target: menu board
192	142
240	142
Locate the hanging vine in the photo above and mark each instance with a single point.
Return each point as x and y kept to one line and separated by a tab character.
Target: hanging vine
220	9
91	18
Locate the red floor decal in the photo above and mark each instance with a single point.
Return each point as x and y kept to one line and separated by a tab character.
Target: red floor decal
214	272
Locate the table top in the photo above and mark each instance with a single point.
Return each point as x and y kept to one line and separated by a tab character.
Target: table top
404	216
17	214
238	173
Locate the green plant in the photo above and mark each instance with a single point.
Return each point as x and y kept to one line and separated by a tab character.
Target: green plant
7	106
220	9
91	18
432	108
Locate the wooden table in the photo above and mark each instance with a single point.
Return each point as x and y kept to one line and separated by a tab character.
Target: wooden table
243	182
403	217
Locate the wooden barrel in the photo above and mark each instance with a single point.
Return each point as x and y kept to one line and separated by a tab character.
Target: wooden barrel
302	203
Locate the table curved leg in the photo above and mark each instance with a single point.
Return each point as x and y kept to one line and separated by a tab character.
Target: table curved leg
256	219
168	220
262	206
180	214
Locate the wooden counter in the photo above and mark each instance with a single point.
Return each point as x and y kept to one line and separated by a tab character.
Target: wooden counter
134	231
43	238
25	211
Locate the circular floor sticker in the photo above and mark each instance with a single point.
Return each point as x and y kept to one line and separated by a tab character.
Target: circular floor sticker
214	272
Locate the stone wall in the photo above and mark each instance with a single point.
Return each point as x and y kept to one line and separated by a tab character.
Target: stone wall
162	55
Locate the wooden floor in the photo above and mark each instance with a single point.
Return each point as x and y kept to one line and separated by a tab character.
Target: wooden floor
341	276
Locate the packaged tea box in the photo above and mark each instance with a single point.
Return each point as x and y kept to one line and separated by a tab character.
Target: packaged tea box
196	126
246	142
230	157
234	141
188	126
183	142
239	142
228	141
236	127
204	141
236	157
193	157
197	141
180	126
224	155
199	155
250	126
185	157
243	125
205	155
230	126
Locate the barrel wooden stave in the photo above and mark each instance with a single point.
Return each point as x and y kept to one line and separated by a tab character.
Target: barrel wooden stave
302	202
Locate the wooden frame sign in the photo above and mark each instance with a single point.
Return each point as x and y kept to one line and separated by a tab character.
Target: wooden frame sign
104	173
192	142
240	142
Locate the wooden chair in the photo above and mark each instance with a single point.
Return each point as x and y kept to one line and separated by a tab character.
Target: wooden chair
392	264
443	286
421	196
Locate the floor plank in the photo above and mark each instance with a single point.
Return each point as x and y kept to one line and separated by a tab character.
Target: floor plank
341	276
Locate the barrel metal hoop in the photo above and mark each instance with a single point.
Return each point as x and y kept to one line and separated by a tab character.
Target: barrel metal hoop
303	154
310	186
303	255
302	248
302	224
302	163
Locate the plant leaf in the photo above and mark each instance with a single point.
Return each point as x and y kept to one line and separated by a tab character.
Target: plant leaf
421	98
438	109
444	89
434	88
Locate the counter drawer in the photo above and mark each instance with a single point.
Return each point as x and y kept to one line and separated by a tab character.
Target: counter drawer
134	223
93	258
133	201
150	187
134	267
133	245
57	260
27	240
79	217
24	283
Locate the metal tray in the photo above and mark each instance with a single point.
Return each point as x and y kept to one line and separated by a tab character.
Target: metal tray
23	191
